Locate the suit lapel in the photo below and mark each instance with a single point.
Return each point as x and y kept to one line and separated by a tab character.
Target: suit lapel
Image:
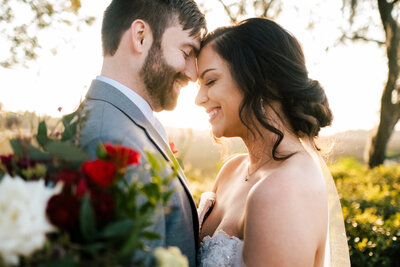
105	92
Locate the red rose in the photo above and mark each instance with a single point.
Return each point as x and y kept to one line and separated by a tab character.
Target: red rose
69	178
172	147
101	172
63	211
104	206
122	156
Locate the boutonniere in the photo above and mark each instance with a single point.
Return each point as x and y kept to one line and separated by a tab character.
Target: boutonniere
172	147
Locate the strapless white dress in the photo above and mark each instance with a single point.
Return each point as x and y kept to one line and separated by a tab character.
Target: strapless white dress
220	250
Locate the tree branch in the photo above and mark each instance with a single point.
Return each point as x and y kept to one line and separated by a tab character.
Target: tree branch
356	37
228	12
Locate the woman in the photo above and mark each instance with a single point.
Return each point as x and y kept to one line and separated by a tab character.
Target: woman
268	207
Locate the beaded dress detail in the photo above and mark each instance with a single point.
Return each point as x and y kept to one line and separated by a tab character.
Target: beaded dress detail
220	250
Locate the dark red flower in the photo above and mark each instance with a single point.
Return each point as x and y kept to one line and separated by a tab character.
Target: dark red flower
172	147
7	162
104	206
82	188
25	163
68	177
122	156
63	211
101	172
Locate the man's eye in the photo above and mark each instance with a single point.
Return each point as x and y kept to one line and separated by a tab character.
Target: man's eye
186	55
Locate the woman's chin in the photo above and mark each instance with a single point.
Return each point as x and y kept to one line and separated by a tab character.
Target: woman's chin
216	132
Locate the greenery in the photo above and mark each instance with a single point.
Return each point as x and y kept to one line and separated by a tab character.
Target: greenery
104	219
370	197
371	208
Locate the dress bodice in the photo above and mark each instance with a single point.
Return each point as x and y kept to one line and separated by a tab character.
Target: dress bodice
220	250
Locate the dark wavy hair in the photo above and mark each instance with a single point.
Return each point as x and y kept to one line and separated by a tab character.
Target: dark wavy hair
267	63
159	14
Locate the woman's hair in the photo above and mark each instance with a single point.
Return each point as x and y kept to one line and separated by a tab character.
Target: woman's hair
268	65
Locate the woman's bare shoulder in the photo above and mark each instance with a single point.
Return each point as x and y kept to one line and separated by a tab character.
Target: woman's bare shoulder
229	167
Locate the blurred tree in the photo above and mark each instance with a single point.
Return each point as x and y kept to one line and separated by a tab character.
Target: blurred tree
363	30
364	25
22	22
238	9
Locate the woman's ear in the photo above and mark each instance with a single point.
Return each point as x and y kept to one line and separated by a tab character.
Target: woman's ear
141	35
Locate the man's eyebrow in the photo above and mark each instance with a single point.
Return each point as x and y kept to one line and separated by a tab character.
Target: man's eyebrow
204	73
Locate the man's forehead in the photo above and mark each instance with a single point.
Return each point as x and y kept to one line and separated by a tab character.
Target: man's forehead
183	36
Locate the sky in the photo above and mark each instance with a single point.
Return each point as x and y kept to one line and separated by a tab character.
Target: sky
353	75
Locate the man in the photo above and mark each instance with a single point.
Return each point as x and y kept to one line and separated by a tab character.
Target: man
150	49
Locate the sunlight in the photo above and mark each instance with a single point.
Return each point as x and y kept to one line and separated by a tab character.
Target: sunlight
352	81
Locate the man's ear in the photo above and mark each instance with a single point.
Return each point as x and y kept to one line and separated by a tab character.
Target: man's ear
141	35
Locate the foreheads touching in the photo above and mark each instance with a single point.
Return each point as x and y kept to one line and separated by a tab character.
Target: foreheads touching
158	14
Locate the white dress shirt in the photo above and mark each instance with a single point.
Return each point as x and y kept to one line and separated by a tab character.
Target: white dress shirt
139	102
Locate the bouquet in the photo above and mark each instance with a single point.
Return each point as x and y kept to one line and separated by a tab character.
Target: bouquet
59	208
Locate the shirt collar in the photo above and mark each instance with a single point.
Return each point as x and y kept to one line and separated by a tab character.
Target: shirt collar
132	95
138	101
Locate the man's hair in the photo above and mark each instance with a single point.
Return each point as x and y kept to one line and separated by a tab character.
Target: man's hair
159	14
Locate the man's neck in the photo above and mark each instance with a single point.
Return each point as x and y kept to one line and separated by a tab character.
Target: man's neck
126	75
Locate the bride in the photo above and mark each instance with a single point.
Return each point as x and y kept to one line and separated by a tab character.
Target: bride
276	205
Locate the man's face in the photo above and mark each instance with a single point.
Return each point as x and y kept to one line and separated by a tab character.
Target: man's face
169	66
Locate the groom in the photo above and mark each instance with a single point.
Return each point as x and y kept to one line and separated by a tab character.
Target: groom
149	49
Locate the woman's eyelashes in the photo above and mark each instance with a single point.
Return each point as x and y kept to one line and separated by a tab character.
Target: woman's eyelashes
210	82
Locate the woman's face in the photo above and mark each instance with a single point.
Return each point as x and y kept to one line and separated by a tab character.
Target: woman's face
219	94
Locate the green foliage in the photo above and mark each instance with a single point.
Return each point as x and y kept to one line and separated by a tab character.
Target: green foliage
371	208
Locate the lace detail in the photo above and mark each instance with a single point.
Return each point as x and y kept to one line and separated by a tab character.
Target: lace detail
221	250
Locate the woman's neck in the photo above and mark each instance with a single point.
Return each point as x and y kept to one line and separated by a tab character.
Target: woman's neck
260	146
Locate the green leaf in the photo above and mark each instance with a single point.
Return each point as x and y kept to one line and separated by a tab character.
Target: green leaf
101	152
69	132
153	161
130	246
70	128
117	229
180	163
94	248
151	235
152	192
146	207
42	137
16	146
87	219
167	195
37	154
68	261
66	151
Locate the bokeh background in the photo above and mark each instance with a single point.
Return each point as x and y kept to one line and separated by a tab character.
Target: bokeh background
50	50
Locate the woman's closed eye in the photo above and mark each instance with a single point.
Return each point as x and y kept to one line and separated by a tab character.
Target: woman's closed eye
210	82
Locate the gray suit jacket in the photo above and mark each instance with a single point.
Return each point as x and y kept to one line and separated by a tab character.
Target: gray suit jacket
114	118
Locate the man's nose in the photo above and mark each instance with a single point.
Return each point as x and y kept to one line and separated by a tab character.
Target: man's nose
191	70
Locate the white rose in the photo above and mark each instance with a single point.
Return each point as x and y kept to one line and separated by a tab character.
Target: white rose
23	222
171	257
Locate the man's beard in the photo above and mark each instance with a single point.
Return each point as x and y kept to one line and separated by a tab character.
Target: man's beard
159	79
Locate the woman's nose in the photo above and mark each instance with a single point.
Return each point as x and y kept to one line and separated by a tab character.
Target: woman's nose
201	97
